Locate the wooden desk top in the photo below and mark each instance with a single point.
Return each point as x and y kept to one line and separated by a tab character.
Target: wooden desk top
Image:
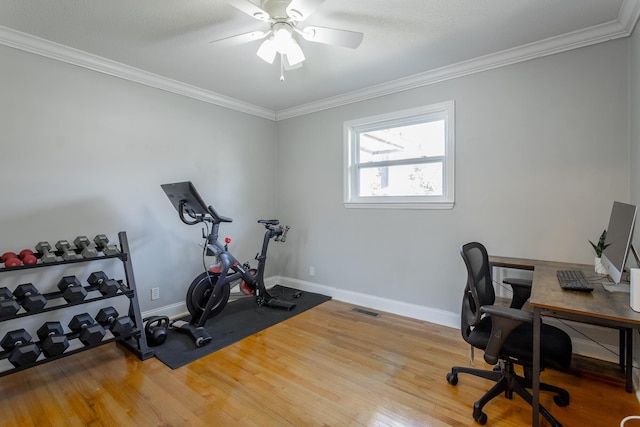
532	264
546	293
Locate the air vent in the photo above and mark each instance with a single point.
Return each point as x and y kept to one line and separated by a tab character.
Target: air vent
365	312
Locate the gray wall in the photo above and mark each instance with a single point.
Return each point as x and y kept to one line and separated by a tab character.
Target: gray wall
542	151
85	153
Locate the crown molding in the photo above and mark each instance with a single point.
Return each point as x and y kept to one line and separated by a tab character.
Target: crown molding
621	27
629	14
59	52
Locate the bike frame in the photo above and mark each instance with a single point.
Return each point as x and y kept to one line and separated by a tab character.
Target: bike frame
230	268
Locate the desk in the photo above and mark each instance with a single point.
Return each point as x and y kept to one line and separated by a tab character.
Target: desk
599	307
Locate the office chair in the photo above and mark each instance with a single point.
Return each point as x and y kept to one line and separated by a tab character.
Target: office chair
506	336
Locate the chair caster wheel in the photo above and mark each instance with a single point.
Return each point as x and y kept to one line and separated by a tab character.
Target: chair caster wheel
452	378
561	399
479	416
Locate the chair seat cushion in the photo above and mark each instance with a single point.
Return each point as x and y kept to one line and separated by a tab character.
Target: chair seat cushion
555	344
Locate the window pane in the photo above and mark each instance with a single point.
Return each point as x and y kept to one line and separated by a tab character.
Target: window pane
403	142
403	180
401	160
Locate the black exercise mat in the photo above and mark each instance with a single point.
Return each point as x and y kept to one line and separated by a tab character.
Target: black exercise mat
238	320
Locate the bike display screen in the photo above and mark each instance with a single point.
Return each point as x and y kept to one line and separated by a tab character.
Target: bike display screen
185	192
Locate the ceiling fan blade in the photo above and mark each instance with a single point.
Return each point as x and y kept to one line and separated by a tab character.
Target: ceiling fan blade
250	9
344	38
299	10
243	38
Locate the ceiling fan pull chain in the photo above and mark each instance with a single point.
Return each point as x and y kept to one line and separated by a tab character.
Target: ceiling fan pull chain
281	69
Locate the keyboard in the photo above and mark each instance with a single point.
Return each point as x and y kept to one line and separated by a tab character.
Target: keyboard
574	280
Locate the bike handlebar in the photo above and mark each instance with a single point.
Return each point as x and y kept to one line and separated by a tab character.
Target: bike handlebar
218	218
274	229
215	217
282	234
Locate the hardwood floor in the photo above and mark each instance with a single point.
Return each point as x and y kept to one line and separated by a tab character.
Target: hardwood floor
328	366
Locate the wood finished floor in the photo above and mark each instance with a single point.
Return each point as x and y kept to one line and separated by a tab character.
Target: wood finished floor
324	367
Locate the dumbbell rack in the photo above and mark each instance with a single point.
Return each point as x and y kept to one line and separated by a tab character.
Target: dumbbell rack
135	342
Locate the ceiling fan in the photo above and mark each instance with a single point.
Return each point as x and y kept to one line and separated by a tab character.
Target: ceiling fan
283	17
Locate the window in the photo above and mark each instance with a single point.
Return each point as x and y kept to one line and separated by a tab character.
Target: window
401	160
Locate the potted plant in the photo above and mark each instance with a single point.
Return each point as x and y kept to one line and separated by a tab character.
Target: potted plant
599	248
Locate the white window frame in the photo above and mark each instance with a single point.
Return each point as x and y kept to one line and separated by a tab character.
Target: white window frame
444	110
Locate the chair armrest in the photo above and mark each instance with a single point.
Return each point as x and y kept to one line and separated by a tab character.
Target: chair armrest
521	291
503	321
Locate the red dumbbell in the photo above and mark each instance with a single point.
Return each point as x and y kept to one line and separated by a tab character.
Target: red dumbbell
26	256
10	259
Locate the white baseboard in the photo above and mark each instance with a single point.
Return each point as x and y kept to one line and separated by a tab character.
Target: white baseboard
172	311
401	308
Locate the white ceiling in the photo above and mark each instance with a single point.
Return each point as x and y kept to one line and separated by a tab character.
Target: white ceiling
165	43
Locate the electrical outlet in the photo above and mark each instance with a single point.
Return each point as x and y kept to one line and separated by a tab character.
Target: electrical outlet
312	271
155	293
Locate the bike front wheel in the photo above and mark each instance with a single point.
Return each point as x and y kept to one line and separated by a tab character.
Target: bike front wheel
199	293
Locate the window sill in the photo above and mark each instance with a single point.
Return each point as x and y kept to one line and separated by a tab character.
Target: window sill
399	205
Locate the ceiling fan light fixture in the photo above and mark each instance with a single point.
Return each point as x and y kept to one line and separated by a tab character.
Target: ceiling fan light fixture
281	41
283	18
294	54
267	51
284	44
282	37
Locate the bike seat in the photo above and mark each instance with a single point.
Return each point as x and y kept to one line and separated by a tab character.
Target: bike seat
269	221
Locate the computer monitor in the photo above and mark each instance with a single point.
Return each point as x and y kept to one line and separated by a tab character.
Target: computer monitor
619	233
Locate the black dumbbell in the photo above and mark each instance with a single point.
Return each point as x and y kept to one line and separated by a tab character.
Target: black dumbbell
53	341
118	326
83	242
46	256
68	254
105	285
101	242
22	352
8	306
29	298
89	332
73	291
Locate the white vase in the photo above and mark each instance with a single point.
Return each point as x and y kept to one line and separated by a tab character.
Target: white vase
599	267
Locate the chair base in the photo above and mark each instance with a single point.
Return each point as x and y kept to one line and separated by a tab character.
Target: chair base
508	382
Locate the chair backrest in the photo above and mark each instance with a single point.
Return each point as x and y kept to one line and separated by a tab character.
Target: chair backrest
479	289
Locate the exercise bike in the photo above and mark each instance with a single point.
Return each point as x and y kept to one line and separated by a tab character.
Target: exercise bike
209	292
